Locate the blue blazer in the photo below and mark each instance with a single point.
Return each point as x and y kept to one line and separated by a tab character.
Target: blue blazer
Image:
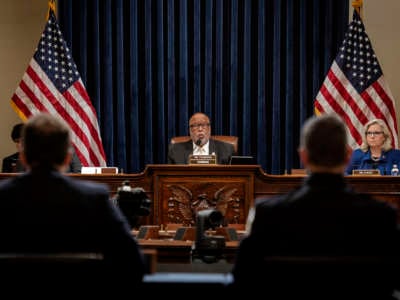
361	160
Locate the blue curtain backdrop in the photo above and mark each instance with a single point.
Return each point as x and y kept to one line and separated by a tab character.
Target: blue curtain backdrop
253	66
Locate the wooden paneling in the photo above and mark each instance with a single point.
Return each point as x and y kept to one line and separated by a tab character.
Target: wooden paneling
178	191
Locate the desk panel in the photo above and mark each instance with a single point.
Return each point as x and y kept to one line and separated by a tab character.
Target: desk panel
178	191
181	191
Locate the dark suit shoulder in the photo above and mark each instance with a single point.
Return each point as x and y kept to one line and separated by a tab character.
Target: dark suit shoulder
223	150
219	143
12	156
279	200
305	198
187	144
85	188
178	153
11	163
54	181
87	184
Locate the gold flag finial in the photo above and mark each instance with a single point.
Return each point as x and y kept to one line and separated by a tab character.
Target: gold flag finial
52	6
357	4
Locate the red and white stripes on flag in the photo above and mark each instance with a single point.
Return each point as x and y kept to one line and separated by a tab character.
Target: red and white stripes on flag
355	88
52	83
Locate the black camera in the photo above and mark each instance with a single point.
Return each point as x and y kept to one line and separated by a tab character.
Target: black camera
133	202
208	248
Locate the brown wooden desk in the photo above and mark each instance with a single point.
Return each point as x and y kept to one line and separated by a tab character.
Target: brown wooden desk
239	185
181	251
178	191
170	250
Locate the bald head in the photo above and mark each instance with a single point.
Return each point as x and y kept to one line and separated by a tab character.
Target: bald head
200	128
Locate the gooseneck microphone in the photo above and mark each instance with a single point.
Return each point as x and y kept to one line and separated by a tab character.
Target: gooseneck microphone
198	142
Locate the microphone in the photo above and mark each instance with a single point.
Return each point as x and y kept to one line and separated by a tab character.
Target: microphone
198	142
374	164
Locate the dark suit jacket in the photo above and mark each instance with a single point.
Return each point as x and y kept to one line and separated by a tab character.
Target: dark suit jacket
179	153
321	218
45	211
12	164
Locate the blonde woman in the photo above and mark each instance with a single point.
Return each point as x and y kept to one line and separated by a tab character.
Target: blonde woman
376	150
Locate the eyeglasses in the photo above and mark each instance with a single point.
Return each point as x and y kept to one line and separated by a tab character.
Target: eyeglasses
197	126
373	133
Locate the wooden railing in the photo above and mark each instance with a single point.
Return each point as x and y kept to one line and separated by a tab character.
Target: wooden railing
178	191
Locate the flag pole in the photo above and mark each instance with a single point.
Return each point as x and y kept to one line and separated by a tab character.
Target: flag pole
357	5
52	6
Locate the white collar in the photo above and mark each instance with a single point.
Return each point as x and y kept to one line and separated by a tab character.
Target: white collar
203	150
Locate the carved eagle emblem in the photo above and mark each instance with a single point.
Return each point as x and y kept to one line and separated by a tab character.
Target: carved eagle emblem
183	206
179	205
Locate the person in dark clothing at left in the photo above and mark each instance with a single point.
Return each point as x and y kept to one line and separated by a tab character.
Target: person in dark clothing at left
12	163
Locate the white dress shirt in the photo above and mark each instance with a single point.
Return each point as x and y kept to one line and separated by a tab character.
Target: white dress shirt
201	150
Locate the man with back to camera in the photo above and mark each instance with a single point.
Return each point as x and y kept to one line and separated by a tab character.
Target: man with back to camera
321	218
45	211
200	143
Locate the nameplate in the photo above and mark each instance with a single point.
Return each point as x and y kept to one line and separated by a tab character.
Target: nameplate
203	159
366	172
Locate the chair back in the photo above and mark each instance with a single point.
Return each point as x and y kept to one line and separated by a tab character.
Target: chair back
34	273
326	277
230	139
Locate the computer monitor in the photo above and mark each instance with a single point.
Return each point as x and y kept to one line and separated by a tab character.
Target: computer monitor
241	160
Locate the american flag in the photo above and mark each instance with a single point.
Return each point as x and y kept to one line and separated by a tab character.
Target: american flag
52	83
355	87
